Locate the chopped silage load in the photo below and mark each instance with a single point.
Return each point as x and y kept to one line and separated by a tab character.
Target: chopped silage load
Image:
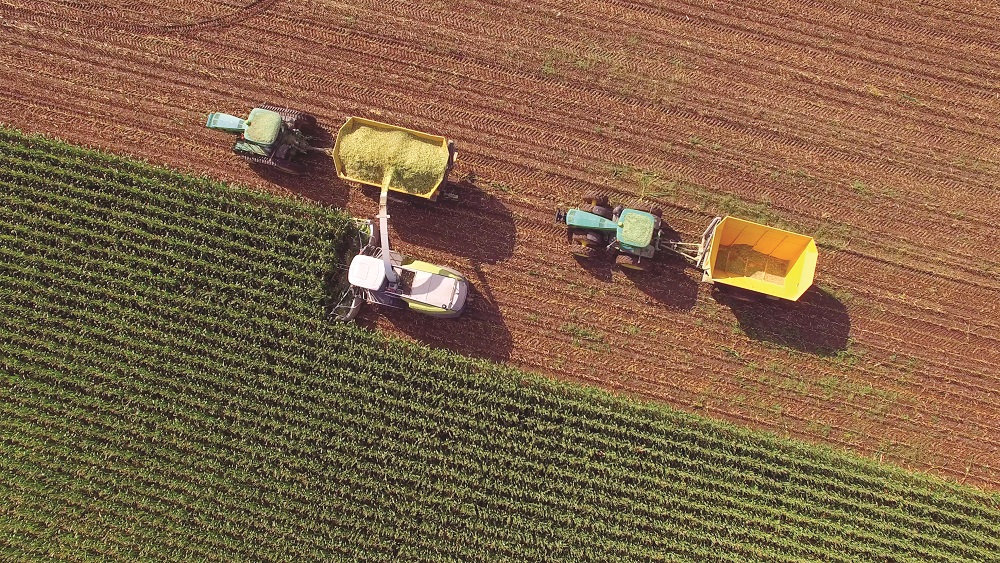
743	260
416	165
637	227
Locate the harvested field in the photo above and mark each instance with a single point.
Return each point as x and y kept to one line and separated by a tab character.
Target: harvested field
871	127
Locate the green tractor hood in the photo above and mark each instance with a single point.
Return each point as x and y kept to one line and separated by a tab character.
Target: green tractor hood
225	122
585	220
261	127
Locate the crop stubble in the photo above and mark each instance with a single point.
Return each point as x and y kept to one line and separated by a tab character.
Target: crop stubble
869	126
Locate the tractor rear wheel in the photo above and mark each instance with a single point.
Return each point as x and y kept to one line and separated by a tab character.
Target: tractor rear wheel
599	210
293	118
630	261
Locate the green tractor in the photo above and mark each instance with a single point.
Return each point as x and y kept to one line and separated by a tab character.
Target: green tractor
630	235
269	136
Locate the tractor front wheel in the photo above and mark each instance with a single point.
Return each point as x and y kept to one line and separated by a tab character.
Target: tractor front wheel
596	199
583	244
630	261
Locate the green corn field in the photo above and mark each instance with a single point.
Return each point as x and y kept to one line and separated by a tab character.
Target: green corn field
170	389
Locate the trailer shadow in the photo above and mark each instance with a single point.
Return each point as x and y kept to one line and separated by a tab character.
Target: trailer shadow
818	323
479	332
478	228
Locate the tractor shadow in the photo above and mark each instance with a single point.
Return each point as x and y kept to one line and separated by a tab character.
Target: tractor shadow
478	227
479	332
818	323
599	266
667	283
318	182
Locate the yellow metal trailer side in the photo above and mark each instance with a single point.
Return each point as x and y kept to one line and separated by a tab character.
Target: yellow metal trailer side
760	258
373	153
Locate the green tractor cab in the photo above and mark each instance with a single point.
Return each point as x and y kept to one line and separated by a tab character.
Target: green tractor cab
269	136
630	235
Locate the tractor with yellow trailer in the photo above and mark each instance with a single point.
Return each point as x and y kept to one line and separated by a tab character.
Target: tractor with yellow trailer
630	235
407	161
743	258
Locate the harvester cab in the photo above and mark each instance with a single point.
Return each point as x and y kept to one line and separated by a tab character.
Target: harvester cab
382	276
630	235
269	136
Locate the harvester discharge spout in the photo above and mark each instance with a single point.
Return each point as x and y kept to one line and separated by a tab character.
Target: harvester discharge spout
383	224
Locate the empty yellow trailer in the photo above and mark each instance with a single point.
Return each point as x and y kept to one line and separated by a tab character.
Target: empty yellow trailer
759	258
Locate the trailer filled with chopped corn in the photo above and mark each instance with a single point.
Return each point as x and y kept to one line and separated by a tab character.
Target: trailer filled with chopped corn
404	160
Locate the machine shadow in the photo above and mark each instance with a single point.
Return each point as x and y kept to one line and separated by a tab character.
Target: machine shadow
667	283
600	266
318	182
818	323
478	228
479	332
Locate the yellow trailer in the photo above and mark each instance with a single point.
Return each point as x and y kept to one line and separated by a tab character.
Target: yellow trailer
758	258
407	161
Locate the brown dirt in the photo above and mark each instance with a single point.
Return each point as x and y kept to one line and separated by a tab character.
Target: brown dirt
869	125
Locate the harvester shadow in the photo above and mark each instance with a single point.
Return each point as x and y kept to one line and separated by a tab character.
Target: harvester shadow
818	323
318	181
667	283
479	332
478	228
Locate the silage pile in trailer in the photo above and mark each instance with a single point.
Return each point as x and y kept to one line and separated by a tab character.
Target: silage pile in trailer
743	260
415	165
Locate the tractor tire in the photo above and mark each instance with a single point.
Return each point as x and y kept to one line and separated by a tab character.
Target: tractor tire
282	164
630	261
293	118
617	212
596	199
583	244
598	210
603	211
